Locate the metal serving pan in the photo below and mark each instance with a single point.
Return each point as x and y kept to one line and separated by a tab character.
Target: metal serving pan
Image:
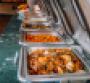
64	39
44	21
73	76
21	71
48	26
40	20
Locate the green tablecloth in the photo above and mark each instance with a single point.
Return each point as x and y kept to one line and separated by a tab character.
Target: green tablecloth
9	51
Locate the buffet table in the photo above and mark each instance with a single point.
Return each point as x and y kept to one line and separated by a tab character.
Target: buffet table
10	52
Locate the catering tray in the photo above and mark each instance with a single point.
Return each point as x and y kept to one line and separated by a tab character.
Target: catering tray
40	20
37	27
21	71
69	76
37	23
75	49
63	40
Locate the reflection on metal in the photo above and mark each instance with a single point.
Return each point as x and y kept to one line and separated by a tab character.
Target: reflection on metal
78	14
66	25
55	10
81	15
81	35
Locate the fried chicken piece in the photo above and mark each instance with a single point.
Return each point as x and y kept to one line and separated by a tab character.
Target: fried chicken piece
70	66
78	66
66	58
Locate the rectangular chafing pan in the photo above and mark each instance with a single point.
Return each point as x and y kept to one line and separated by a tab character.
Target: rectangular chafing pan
54	33
45	21
21	71
47	26
76	49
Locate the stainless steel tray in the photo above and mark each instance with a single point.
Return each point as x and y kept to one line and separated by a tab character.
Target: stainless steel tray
45	20
74	76
39	20
65	40
48	25
21	71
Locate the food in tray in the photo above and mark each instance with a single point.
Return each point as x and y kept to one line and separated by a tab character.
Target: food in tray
53	61
42	38
34	26
40	26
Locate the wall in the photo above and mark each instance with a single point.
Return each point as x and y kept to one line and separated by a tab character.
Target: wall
6	8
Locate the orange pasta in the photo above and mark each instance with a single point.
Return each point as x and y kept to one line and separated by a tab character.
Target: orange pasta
42	38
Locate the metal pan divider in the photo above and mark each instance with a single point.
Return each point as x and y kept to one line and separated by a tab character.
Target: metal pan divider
21	68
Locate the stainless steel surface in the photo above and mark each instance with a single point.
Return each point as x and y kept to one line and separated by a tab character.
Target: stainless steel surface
81	35
21	70
50	27
44	7
38	19
73	76
56	11
61	15
45	21
26	29
52	10
66	8
78	14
